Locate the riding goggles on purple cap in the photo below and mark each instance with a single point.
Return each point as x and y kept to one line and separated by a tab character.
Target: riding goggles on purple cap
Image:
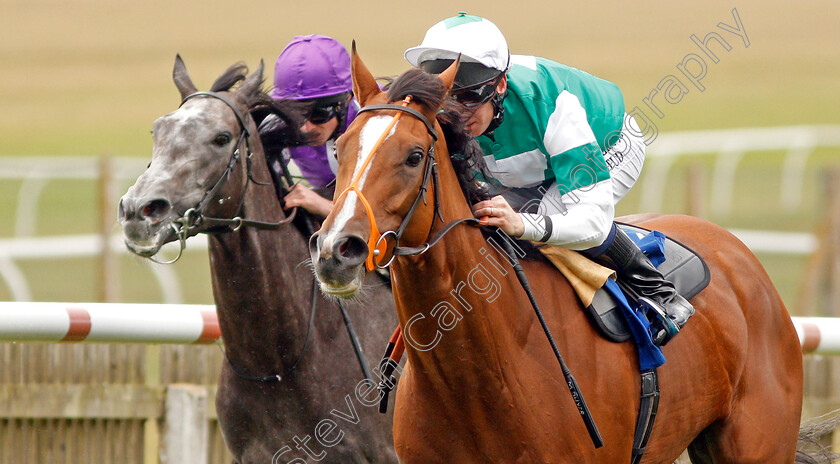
324	112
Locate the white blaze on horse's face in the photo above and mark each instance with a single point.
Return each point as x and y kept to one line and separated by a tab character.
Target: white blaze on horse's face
184	154
368	136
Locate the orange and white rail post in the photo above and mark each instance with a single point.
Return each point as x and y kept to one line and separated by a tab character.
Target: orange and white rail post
818	335
108	323
198	324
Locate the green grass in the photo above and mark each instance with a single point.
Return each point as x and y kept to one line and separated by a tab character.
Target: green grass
755	206
79	279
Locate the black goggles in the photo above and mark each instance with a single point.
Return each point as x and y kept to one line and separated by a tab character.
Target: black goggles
324	113
477	95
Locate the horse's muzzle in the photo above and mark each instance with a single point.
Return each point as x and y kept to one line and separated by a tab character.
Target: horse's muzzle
339	263
144	222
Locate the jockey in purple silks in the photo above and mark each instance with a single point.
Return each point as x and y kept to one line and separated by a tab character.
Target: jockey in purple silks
315	71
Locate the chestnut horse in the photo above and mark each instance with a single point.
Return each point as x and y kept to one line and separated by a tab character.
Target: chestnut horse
290	387
482	384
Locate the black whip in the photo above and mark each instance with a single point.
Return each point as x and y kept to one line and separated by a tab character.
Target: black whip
577	396
357	347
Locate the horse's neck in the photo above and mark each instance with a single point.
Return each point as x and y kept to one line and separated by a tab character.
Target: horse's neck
463	292
262	297
456	303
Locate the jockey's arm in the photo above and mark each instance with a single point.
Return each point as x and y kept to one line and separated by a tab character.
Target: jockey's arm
577	209
578	220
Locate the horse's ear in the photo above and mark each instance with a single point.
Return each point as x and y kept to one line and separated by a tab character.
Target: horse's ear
182	79
364	84
252	82
448	75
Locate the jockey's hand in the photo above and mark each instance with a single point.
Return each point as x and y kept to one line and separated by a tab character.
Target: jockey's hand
497	212
301	195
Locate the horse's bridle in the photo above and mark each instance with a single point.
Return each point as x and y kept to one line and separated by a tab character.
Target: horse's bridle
194	217
377	243
431	172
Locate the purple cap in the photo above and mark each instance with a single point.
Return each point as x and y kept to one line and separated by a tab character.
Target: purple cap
312	66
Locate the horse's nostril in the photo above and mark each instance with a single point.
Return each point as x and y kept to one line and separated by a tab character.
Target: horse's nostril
315	244
351	249
127	209
155	209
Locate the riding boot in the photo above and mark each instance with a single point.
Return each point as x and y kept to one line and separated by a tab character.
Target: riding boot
670	310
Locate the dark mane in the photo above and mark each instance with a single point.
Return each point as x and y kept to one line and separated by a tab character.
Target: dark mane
465	153
260	104
282	132
425	89
235	73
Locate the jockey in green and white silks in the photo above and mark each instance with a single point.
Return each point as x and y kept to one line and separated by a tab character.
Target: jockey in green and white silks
560	149
559	125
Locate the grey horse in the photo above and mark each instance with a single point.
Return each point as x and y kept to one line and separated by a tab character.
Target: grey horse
291	389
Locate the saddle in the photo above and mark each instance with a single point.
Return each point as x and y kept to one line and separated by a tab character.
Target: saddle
682	266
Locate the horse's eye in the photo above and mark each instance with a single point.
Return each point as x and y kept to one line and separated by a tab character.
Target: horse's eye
222	139
414	158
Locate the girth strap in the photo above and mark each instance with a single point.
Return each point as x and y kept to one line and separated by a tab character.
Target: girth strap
648	405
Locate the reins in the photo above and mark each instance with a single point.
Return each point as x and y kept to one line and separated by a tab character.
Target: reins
309	229
574	389
194	217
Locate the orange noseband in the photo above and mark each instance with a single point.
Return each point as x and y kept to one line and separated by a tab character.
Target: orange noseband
375	246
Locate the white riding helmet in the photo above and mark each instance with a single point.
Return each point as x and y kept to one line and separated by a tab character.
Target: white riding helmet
476	39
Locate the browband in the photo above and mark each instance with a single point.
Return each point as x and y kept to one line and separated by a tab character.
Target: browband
411	111
223	99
